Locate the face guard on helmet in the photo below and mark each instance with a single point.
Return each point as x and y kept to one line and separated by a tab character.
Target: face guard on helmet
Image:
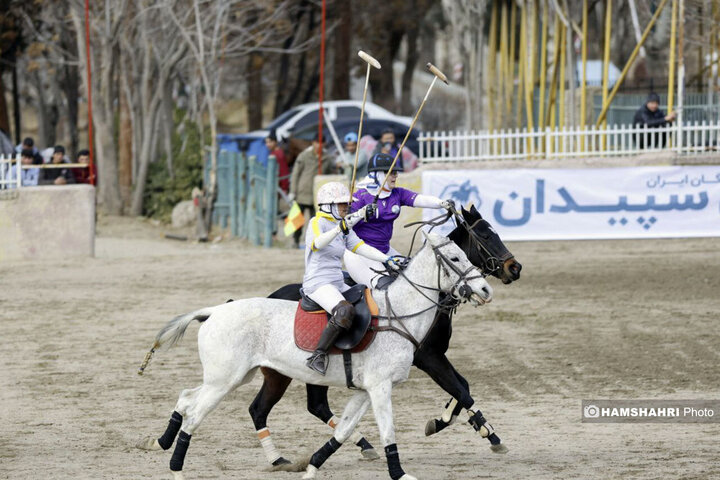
330	195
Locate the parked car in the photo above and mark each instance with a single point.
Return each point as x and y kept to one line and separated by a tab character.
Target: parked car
305	115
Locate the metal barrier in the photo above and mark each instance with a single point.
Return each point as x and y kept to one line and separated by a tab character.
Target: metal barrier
246	196
10	172
521	144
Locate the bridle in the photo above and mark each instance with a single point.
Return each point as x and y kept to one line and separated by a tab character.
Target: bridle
493	262
445	305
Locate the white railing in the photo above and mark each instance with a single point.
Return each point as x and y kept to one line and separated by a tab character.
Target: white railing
10	175
518	144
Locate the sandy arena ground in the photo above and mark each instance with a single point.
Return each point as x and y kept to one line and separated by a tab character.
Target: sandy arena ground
610	319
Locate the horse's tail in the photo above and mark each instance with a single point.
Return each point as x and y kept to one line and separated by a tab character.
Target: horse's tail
173	332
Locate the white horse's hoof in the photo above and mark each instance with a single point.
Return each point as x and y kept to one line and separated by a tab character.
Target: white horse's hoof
407	477
310	472
148	443
369	454
499	448
178	476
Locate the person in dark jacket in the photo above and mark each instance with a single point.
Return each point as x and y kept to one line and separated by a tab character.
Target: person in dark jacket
57	176
651	115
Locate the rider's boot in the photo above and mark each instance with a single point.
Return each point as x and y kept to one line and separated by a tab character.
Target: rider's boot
341	319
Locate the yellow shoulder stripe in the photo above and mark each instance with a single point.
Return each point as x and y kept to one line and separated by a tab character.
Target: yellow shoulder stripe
358	245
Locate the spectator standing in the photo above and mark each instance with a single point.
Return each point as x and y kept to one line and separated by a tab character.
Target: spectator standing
57	176
301	182
651	115
29	144
387	144
283	170
345	165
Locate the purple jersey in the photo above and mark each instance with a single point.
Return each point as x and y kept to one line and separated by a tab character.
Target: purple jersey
378	231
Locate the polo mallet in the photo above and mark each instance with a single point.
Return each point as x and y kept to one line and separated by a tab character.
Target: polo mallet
438	74
371	62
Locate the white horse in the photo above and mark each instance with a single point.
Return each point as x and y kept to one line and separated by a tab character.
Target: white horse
237	338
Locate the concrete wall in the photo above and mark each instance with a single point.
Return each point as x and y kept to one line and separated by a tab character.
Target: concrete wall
49	221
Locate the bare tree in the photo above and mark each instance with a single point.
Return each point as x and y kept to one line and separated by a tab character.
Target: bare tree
467	22
105	35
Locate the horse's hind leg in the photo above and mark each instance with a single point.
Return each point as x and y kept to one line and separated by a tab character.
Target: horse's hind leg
354	410
195	404
167	439
272	390
317	404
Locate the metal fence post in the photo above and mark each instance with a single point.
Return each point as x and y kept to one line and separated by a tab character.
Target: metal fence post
270	203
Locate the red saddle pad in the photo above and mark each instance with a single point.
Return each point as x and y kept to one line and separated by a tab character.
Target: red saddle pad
310	325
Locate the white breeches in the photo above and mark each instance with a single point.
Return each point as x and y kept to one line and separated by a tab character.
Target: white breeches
327	296
361	269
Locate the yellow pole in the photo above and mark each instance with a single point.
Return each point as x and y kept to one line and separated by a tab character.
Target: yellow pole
530	72
491	66
629	63
561	93
543	66
521	68
671	61
510	80
583	83
606	62
504	87
553	83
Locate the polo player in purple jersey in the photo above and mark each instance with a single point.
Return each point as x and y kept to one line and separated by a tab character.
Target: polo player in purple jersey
377	231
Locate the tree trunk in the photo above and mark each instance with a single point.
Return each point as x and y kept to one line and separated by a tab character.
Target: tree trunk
4	117
145	158
167	125
255	63
16	104
125	150
406	107
341	64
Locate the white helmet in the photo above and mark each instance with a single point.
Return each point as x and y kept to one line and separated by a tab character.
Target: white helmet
333	192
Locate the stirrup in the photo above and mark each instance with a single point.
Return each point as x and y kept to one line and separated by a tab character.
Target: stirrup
318	362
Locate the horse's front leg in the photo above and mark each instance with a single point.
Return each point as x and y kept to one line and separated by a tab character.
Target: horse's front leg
317	404
381	399
439	368
354	410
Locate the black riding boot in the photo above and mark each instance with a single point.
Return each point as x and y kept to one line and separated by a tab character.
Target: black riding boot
318	360
341	319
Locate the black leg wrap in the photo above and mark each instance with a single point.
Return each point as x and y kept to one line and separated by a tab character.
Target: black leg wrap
364	444
171	432
393	460
478	421
325	451
178	457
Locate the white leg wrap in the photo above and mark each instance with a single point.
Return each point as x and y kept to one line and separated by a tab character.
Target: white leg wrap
447	415
268	446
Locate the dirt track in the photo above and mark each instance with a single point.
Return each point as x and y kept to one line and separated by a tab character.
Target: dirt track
611	319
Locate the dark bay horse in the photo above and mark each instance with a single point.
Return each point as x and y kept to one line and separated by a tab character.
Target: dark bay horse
484	248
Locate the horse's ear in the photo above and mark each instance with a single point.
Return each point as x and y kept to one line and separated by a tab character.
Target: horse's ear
464	212
427	237
474	212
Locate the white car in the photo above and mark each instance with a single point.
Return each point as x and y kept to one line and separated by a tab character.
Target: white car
307	114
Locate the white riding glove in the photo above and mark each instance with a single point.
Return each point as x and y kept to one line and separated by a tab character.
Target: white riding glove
347	223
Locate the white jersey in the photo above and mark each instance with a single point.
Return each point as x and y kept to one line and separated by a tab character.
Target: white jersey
324	266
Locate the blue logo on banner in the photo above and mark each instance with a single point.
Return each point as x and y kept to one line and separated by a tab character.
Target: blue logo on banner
464	194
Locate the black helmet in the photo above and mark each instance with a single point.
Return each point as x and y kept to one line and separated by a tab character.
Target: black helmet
380	162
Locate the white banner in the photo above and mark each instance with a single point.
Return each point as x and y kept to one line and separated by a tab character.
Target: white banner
555	204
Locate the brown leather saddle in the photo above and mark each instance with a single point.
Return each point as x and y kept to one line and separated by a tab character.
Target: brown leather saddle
310	321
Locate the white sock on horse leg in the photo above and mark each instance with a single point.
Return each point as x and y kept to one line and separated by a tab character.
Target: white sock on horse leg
268	446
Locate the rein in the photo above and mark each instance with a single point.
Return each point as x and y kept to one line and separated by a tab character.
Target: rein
444	306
